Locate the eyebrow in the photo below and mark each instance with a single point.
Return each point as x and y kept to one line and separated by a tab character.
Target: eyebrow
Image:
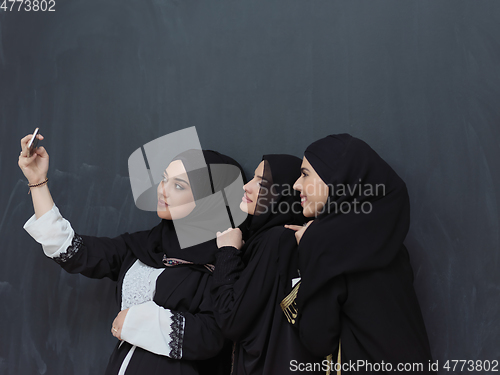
262	178
178	179
304	169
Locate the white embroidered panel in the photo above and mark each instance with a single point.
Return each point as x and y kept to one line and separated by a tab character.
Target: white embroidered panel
139	284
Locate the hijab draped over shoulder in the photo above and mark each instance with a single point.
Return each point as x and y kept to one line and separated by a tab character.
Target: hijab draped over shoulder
277	204
365	219
356	291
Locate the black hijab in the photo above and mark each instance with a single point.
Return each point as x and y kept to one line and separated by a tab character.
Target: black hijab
277	204
341	241
248	287
207	182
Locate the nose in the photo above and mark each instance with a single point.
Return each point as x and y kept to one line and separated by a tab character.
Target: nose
245	187
162	189
297	186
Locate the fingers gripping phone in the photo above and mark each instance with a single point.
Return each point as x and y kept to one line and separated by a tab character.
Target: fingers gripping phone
32	145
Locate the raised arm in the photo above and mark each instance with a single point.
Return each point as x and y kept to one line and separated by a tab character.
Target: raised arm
95	257
35	169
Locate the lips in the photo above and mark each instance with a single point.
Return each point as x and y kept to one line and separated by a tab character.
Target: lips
162	203
303	199
246	199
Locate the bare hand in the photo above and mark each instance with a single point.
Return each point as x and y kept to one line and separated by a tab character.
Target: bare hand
116	328
299	230
36	166
230	237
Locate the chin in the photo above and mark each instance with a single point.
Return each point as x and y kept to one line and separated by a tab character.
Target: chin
164	214
244	207
307	212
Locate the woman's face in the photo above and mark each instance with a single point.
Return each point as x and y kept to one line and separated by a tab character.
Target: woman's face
252	188
313	191
175	197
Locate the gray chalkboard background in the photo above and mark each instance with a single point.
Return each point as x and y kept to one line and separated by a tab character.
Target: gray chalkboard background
418	80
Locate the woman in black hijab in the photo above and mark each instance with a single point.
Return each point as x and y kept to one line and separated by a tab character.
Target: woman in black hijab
166	322
250	283
356	289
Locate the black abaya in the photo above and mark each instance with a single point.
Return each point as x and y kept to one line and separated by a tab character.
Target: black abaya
357	281
249	284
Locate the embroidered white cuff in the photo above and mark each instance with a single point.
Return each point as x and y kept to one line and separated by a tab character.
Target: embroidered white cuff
155	329
52	231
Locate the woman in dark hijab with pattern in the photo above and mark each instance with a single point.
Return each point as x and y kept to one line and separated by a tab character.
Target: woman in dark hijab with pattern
166	323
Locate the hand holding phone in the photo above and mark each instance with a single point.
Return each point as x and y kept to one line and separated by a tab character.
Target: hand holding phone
33	142
36	165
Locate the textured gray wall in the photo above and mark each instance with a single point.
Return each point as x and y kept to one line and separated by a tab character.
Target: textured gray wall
418	80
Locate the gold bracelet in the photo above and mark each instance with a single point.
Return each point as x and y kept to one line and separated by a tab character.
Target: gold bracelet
36	185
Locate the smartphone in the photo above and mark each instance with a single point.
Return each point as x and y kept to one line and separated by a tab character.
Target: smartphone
33	142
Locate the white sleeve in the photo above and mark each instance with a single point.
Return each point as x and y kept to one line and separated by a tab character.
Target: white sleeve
155	329
52	231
